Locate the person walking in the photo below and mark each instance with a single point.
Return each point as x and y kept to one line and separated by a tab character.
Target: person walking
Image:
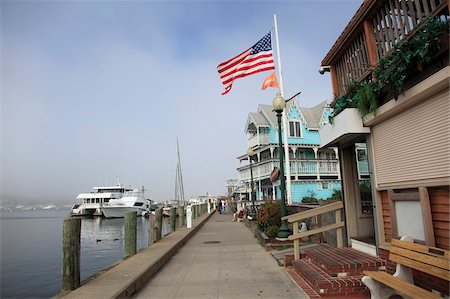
219	207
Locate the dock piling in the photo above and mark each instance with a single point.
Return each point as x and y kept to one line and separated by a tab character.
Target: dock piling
158	224
151	229
173	219
130	233
181	216
71	254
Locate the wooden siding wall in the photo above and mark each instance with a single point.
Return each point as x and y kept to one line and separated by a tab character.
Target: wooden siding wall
440	211
386	216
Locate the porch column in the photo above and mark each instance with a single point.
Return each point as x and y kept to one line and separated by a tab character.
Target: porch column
350	191
338	166
316	156
294	161
274	197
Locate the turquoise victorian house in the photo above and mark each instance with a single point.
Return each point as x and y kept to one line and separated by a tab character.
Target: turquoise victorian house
314	171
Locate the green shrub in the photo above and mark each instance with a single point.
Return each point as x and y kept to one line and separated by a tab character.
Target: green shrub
311	198
337	194
271	231
269	215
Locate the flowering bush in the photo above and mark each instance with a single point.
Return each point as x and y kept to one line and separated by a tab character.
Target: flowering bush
268	216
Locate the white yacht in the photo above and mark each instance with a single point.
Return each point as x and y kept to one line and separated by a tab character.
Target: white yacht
88	203
132	200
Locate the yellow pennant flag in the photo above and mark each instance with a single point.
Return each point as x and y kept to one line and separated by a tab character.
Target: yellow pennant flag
271	81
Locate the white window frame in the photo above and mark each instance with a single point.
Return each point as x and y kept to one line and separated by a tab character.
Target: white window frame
295	121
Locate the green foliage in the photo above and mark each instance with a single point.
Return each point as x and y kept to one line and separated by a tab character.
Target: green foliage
269	215
337	194
366	98
392	70
311	198
272	231
365	191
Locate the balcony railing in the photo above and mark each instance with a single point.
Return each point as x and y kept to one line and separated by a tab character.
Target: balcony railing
298	167
376	28
258	139
363	167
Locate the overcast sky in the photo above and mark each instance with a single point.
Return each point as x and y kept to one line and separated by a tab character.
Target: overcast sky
92	91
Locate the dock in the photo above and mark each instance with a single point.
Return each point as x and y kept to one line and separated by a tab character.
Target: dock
216	258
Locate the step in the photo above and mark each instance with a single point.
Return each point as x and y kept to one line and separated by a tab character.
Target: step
326	285
341	262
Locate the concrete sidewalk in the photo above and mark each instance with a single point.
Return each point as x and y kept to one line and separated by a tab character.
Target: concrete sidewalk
222	260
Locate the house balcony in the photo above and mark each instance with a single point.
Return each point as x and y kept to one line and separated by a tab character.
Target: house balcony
346	126
258	139
373	33
301	169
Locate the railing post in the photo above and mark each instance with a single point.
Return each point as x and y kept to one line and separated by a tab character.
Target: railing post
189	216
173	219
339	240
181	216
130	233
151	229
71	254
158	224
296	241
208	207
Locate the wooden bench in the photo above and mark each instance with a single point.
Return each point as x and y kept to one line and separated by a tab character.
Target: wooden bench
408	255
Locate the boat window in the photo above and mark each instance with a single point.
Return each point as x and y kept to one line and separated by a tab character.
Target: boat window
138	204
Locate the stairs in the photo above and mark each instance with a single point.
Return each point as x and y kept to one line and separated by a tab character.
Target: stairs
336	272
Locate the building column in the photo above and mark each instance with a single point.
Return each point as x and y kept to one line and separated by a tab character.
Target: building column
336	151
316	156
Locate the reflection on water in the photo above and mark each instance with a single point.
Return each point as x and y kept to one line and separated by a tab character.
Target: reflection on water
31	243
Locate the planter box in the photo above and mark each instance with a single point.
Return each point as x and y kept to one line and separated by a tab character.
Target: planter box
347	126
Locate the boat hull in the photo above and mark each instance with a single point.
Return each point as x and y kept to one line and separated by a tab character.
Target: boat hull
119	212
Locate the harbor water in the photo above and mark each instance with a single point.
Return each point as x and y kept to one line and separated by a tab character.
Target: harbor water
31	249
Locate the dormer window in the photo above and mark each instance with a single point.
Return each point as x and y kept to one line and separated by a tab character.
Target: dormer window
295	129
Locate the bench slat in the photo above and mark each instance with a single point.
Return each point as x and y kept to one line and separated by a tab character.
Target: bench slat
437	252
420	257
401	286
444	274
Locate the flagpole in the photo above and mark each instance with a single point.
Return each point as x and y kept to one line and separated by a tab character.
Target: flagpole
284	117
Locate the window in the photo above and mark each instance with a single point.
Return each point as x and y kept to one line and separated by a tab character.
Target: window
295	129
324	185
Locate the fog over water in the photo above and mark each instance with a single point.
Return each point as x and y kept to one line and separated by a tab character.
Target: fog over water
92	91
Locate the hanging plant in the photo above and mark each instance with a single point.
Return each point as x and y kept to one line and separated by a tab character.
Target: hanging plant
366	98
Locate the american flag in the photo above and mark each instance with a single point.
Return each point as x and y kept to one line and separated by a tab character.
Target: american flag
257	59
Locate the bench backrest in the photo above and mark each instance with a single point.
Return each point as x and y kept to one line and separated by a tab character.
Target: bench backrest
431	260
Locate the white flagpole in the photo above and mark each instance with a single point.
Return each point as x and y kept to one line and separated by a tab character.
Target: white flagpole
284	117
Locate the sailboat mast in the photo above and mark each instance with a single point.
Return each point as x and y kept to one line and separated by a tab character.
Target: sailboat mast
181	175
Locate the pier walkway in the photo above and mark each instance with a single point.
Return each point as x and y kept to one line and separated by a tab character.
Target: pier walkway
222	260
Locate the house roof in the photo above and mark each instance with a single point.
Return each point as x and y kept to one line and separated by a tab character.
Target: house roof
313	115
259	119
266	116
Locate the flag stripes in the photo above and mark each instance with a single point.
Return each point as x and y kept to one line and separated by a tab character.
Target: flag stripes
257	59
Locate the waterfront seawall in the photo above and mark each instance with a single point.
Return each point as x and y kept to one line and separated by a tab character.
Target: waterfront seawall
130	275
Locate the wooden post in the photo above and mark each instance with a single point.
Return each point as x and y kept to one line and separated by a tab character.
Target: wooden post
158	224
339	239
173	219
151	229
296	241
194	212
71	254
181	216
130	223
427	216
